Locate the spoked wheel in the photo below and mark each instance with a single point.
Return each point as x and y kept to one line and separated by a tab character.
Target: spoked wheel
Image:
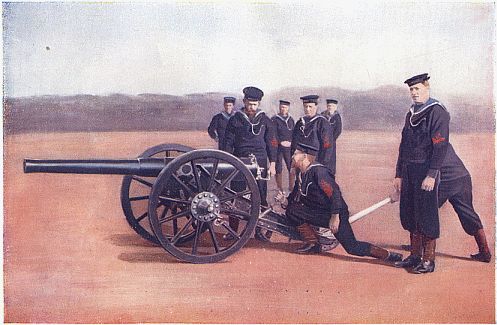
220	203
135	191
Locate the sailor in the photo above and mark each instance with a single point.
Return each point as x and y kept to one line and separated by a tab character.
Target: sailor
314	130
218	124
316	201
333	116
284	125
250	131
428	173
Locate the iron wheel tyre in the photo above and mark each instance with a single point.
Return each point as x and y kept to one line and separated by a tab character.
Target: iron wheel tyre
135	192
210	205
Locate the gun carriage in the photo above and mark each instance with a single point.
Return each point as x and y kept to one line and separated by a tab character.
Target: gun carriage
183	199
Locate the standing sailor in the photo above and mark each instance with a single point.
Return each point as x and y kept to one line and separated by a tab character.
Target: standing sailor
429	173
284	124
250	131
314	130
218	124
333	116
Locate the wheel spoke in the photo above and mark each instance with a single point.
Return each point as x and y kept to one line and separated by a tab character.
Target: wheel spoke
217	182
230	191
198	233
141	180
174	209
175	226
178	235
230	230
180	182
237	213
229	198
170	199
213	237
212	175
227	189
175	216
229	178
163	214
195	175
139	198
140	218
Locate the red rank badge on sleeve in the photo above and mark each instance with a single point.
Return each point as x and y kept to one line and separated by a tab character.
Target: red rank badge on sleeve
326	187
438	138
327	144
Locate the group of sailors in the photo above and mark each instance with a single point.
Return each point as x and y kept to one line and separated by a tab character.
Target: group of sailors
275	136
428	172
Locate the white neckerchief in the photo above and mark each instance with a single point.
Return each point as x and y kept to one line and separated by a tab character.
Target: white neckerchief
422	110
253	124
300	178
302	128
329	116
285	120
226	115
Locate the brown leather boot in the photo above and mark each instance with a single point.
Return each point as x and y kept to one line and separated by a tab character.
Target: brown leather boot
378	252
385	255
427	265
310	238
416	252
279	181
484	254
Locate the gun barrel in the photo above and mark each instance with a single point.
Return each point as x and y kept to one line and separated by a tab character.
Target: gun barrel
139	166
150	167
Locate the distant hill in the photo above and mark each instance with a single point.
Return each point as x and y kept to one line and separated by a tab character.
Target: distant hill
385	107
382	108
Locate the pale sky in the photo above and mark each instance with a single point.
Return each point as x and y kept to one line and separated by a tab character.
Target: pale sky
180	48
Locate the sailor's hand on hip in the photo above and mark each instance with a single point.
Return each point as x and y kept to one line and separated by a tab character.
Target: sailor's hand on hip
428	184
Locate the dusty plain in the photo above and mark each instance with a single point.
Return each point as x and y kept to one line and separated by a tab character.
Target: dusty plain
70	256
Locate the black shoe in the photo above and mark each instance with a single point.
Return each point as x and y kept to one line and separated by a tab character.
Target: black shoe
424	267
410	261
482	257
328	245
394	257
309	248
259	235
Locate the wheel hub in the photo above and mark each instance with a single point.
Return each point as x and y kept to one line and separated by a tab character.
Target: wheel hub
205	206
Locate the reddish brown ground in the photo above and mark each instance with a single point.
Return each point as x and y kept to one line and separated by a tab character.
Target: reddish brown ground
70	256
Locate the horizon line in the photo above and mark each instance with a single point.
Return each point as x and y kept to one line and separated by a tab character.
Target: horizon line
267	94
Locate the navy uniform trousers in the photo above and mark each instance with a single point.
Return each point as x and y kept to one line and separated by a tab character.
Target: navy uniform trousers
262	160
459	192
284	153
298	214
239	185
419	208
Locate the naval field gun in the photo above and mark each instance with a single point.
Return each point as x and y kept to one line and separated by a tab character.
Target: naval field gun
183	199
